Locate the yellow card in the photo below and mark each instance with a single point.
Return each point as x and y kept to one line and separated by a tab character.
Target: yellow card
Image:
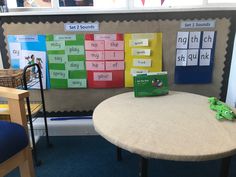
142	46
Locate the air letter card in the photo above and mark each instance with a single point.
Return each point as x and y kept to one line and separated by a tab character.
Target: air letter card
29	49
66	58
105	60
194	57
143	54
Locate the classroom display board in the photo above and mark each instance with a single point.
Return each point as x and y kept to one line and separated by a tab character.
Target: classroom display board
143	54
66	61
105	60
29	49
168	28
194	57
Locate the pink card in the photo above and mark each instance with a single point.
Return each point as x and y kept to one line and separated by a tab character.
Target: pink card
95	65
114	45
94	45
114	55
102	76
105	37
115	65
94	55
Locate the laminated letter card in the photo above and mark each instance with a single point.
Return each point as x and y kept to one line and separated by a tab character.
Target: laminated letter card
105	60
143	53
66	58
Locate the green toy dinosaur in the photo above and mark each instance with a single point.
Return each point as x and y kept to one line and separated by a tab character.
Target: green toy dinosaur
222	110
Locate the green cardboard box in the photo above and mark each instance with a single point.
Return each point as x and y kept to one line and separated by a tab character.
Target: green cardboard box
151	84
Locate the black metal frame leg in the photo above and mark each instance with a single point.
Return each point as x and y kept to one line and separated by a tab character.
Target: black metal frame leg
118	153
225	164
143	167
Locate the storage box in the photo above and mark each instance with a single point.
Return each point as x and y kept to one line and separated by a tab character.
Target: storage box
151	84
12	77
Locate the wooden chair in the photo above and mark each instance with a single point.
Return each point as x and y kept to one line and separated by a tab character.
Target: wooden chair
22	158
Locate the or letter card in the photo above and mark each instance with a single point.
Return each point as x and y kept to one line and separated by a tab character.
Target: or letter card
205	57
95	65
94	55
182	40
192	57
77	83
94	45
138	42
115	65
142	62
114	45
181	57
102	76
208	39
114	55
194	40
141	52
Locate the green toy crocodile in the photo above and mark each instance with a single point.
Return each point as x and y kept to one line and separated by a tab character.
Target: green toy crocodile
223	111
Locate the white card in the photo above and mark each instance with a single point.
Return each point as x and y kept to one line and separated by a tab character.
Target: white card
142	62
192	57
194	40
135	71
15	50
205	57
181	57
182	40
208	39
138	42
141	52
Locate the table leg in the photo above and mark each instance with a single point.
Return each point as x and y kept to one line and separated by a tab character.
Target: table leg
143	167
118	154
224	172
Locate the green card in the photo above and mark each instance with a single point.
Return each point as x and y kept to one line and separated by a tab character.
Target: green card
57	58
77	83
55	45
74	50
75	65
58	74
151	84
62	37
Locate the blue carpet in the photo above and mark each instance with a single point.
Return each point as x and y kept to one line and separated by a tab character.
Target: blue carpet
93	156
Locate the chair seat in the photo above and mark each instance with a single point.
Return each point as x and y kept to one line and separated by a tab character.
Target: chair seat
13	139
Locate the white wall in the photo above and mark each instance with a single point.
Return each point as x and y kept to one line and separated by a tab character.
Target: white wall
231	94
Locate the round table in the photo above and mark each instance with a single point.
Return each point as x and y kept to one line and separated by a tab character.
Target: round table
179	126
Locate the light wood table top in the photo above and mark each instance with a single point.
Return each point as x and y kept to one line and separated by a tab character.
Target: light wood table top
179	126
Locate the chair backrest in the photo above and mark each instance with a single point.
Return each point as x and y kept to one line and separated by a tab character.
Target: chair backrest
22	159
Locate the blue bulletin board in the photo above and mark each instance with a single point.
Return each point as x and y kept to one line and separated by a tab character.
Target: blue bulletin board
194	57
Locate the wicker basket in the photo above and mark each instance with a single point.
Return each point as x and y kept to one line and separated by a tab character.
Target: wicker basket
12	77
